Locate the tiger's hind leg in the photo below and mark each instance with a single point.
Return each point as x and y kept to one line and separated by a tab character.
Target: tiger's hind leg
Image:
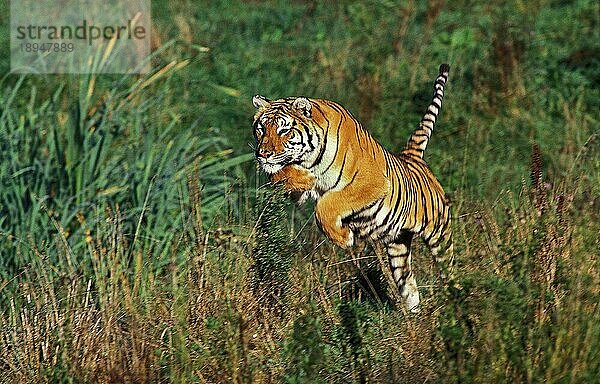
439	240
399	253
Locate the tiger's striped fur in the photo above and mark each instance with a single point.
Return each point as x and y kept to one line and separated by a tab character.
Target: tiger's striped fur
316	147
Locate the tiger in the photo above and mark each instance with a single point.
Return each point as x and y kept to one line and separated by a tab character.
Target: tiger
317	148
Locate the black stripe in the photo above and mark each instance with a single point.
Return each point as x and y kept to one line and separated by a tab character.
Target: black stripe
409	198
321	153
389	159
323	146
371	217
356	219
366	207
415	211
416	168
402	216
426	239
429	208
374	215
337	145
415	142
383	223
310	136
353	177
394	211
351	181
436	230
418	154
341	171
357	132
320	110
338	108
254	126
425	215
444	226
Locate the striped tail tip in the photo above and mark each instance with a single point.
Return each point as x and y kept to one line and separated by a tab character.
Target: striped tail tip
444	69
418	140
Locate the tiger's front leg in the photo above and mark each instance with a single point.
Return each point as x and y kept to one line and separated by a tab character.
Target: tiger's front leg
294	178
334	206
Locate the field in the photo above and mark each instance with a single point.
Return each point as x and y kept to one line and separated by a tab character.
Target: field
139	242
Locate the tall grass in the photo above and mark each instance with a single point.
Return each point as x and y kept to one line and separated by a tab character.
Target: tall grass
96	144
527	310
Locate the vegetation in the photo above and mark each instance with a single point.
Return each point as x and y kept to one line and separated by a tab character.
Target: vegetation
138	243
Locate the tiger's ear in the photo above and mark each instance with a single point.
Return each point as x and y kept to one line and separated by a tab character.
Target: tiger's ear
303	105
260	101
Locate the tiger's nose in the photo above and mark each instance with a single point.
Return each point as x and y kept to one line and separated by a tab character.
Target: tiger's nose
263	153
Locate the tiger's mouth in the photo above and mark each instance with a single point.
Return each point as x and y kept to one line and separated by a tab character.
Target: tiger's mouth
270	166
273	163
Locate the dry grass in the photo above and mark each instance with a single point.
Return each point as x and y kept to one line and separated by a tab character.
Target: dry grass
526	311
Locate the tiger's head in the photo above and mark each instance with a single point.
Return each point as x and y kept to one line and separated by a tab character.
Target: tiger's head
282	129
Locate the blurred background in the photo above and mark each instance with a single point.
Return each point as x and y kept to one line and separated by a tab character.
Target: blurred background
138	241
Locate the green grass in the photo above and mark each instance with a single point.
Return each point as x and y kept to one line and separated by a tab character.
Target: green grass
138	243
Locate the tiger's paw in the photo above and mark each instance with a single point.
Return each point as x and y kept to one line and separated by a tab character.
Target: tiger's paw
348	238
343	237
412	303
295	178
410	293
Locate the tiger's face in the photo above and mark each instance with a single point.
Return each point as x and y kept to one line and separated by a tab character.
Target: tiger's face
282	132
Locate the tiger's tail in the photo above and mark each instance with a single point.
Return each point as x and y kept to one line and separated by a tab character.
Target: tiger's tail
418	140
